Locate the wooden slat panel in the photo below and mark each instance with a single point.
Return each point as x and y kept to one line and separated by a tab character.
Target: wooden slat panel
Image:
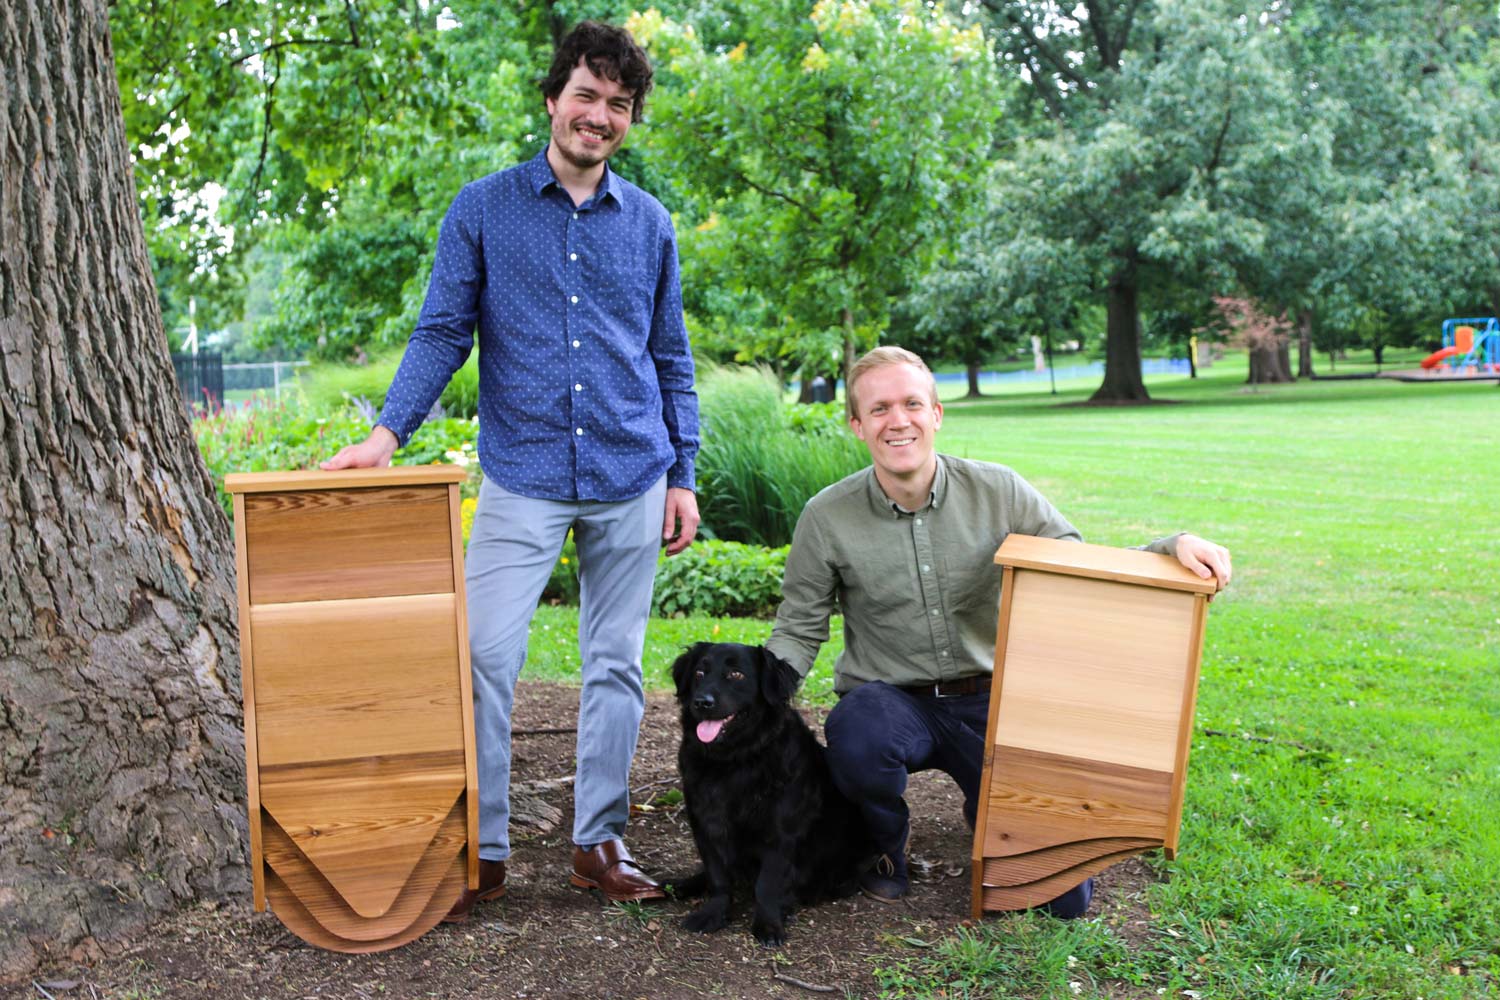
365	823
1024	897
344	679
1102	562
1043	800
324	903
1024	868
300	922
317	479
348	544
1095	669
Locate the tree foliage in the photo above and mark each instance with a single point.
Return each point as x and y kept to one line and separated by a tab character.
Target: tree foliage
823	160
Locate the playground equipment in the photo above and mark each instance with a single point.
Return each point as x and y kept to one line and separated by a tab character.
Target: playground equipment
1470	347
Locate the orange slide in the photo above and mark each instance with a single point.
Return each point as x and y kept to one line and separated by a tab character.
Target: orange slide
1437	357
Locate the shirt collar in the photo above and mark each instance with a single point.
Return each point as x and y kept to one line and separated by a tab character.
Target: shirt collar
884	505
539	172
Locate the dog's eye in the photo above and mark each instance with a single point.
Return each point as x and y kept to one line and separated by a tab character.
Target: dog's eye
735	675
697	673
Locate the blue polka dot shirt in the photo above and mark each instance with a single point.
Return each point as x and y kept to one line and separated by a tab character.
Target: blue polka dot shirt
585	373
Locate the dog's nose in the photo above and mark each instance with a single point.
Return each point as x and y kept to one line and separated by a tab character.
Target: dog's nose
703	701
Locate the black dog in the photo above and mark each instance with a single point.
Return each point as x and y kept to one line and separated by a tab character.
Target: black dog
759	796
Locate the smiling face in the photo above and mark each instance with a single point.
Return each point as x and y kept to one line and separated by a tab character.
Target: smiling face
590	118
898	417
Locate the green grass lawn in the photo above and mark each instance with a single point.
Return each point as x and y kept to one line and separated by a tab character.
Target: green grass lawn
1346	760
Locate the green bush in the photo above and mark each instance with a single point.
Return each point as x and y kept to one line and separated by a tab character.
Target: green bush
562	585
330	386
720	579
762	459
283	435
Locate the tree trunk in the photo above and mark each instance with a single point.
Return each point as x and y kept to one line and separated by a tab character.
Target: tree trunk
1270	362
1305	345
121	755
1122	348
972	369
850	355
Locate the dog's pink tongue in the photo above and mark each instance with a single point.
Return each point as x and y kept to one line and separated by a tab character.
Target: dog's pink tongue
708	729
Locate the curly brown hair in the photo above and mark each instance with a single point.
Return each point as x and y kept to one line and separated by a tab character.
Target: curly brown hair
610	53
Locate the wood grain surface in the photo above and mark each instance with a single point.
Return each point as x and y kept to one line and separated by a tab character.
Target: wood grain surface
326	905
1101	562
1023	897
1022	869
1044	800
348	544
1095	669
290	911
364	824
347	679
301	480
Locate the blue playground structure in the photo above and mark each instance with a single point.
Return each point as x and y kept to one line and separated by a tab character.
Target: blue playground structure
1471	347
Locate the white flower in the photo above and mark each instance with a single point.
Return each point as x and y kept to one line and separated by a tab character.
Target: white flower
1072	961
1353	911
1075	986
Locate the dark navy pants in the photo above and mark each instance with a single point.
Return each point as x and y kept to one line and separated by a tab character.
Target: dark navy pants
878	734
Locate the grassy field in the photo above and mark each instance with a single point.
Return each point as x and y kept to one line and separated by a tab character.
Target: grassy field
1346	758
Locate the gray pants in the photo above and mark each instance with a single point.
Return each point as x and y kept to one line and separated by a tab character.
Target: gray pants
513	545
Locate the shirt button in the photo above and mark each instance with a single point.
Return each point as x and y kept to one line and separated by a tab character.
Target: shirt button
578	387
575	343
926	568
574	300
579	432
933	612
575	215
572	256
945	652
919	520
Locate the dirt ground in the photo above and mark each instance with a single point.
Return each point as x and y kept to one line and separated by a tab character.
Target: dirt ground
547	939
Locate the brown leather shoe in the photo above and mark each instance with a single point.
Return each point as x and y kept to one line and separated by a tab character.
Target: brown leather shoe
609	868
491	886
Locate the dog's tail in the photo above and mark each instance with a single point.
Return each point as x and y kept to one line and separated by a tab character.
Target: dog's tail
689	887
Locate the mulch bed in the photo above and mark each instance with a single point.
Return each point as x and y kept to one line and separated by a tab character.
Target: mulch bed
547	939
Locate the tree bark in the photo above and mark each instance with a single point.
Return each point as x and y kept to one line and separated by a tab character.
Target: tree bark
1305	345
1122	347
121	755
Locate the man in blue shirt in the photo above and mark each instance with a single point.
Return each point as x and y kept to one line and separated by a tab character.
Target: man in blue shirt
588	421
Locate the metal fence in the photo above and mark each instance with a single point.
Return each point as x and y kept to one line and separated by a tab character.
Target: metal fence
269	376
205	380
200	378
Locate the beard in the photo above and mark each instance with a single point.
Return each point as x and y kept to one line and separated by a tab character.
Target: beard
573	149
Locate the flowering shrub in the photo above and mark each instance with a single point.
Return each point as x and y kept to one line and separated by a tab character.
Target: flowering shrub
279	435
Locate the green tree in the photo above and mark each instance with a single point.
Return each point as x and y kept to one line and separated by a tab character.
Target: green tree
822	161
1168	131
295	117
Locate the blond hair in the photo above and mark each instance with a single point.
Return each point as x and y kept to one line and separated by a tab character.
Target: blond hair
883	357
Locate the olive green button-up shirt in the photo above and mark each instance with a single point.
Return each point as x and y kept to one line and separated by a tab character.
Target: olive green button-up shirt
919	590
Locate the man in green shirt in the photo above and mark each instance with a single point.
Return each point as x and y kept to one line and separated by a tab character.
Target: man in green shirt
905	549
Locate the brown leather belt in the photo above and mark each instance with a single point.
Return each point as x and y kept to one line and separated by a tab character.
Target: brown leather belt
977	684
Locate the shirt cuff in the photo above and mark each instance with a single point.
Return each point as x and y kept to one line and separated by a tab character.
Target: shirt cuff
681	476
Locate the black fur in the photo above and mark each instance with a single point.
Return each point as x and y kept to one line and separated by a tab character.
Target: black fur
761	802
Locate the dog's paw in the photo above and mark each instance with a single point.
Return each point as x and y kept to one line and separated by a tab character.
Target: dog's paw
770	935
706	919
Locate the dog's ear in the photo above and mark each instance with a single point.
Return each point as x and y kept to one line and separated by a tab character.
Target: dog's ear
778	678
682	668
